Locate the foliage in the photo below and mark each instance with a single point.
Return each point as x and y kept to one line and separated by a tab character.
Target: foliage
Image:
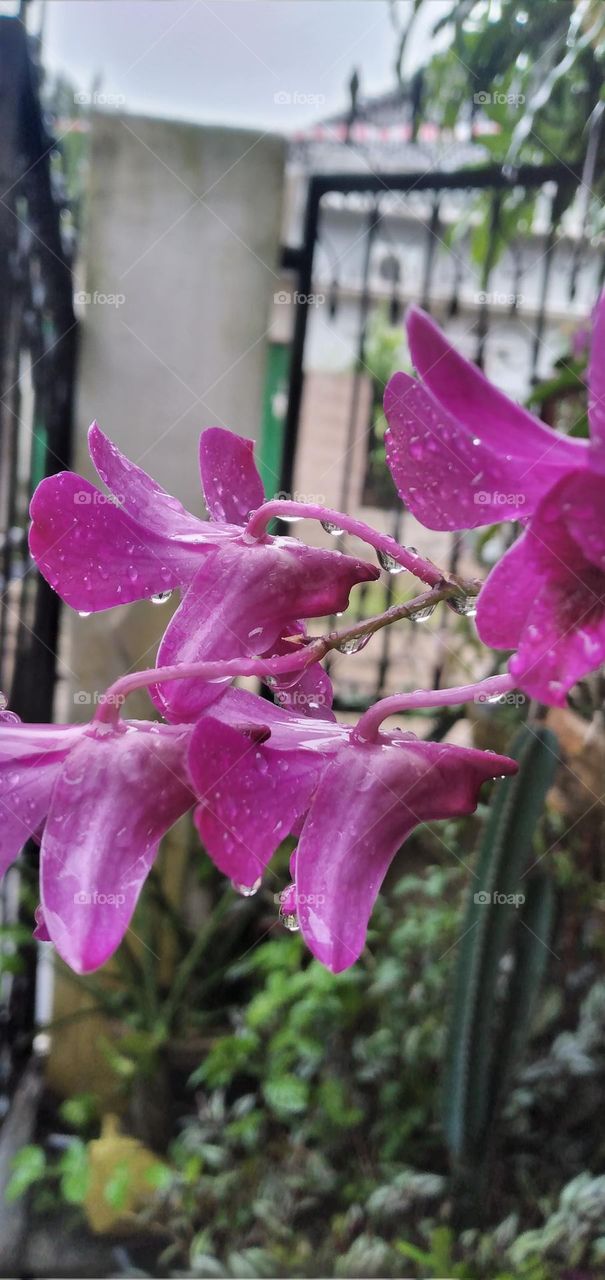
505	913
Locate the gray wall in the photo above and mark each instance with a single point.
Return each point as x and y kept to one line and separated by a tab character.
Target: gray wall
182	231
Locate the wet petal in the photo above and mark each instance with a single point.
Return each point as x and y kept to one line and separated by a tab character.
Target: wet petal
546	598
308	692
116	796
139	496
94	554
369	799
461	453
230	481
250	795
240	602
31	757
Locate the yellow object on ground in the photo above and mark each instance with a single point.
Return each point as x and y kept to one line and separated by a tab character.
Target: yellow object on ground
119	1179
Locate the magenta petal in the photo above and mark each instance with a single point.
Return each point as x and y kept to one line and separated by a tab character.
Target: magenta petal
546	598
94	555
117	795
596	385
31	757
369	799
250	795
445	441
139	496
241	601
312	695
474	401
231	483
308	692
40	932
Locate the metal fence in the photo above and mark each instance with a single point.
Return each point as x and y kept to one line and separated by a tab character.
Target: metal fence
382	240
37	361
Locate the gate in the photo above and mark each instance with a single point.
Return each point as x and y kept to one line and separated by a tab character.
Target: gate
372	244
37	361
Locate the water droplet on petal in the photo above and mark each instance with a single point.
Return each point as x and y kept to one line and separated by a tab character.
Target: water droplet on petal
332	528
388	562
247	890
353	644
161	597
290	922
83	614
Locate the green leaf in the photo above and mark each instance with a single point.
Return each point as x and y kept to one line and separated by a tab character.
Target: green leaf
287	1095
29	1167
505	851
75	1172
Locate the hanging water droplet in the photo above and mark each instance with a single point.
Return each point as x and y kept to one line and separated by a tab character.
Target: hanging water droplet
332	528
466	606
353	644
290	922
388	562
161	597
289	519
83	614
247	890
423	613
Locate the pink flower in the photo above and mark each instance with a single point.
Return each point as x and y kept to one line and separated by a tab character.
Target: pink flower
241	594
99	802
462	454
99	798
358	800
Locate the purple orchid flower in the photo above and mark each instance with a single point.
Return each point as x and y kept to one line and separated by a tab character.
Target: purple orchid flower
462	454
359	801
100	797
242	594
100	802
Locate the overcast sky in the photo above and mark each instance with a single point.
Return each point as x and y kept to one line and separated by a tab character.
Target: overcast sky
228	60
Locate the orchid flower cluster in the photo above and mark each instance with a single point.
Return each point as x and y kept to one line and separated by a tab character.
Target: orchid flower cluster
99	797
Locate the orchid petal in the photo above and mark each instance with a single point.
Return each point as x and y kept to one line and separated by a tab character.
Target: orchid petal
230	481
140	497
31	757
94	554
553	584
240	602
445	441
308	691
117	795
250	795
369	800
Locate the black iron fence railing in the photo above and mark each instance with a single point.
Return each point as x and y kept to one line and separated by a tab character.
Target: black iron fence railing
37	362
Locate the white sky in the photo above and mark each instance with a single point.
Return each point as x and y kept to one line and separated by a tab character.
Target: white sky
226	60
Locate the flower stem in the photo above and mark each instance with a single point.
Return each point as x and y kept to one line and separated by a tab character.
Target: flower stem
302	655
367	726
406	556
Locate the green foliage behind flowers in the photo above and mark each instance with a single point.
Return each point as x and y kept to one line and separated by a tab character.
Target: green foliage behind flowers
322	1055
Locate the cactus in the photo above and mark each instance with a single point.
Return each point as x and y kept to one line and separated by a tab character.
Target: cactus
485	1040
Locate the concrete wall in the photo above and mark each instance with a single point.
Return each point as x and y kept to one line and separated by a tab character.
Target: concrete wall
179	264
184	223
